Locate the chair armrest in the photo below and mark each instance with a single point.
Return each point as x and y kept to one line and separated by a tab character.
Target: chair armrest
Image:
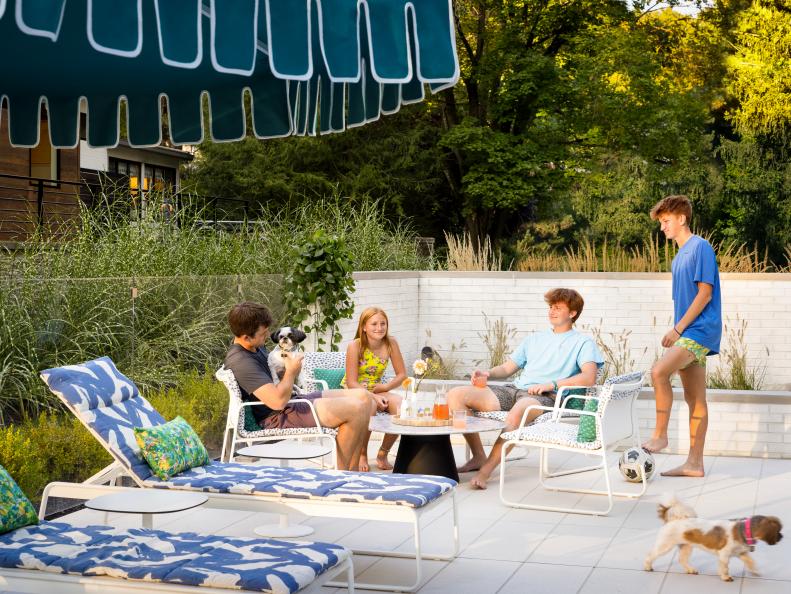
243	404
312	409
563	389
534	407
309	403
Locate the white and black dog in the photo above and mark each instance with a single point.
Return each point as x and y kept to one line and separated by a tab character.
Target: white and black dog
287	340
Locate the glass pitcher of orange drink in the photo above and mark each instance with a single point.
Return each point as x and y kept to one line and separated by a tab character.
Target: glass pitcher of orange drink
441	412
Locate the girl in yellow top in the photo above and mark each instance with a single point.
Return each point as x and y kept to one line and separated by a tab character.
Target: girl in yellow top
367	357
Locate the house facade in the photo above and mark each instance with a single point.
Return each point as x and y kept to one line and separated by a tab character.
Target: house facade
41	187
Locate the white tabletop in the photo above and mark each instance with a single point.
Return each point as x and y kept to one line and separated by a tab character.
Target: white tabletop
285	450
147	501
385	424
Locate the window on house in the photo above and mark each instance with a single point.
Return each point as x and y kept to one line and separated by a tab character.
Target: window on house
44	157
129	169
160	179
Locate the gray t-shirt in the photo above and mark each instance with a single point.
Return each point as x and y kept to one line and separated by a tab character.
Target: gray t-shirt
251	371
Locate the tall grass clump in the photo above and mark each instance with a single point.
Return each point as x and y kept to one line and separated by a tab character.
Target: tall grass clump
466	255
654	255
735	372
153	295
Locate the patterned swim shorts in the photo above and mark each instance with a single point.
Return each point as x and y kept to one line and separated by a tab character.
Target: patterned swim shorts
509	394
697	349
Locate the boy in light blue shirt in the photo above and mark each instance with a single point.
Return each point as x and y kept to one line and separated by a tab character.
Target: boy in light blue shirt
696	332
559	356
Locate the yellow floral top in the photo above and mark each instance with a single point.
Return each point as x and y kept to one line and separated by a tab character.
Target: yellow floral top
370	371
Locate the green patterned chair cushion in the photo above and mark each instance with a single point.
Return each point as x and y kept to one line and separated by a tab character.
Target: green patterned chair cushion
16	511
250	424
333	377
171	448
587	429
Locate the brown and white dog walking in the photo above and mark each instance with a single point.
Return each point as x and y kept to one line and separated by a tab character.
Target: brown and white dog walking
724	538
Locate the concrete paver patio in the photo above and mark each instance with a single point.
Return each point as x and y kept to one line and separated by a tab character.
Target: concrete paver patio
510	551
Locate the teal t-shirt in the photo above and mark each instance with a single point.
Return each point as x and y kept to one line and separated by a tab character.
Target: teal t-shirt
547	356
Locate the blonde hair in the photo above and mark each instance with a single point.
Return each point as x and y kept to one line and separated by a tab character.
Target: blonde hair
366	315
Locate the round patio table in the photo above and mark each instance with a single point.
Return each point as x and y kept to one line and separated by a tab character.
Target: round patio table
427	450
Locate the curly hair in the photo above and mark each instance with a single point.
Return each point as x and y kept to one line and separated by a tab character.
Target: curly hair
570	297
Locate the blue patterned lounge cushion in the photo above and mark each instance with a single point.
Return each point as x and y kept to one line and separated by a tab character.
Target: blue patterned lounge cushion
109	403
254	564
171	448
413	490
16	510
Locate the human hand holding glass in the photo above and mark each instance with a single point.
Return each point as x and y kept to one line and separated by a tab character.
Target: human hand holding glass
479	378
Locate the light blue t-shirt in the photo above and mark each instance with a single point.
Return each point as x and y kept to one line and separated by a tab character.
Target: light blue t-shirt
547	356
696	263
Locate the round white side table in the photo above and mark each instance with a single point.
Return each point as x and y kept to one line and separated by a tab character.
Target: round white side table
284	451
146	502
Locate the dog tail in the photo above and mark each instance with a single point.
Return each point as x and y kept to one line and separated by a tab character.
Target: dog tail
672	508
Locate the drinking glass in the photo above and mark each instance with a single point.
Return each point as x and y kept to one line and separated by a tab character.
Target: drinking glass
460	419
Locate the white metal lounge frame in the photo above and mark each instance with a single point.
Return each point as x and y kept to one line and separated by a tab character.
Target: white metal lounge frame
37	581
311	507
616	422
361	510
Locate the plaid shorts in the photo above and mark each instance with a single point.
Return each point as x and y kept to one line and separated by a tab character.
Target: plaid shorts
509	394
697	349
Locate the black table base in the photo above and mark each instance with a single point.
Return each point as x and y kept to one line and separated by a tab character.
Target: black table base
426	454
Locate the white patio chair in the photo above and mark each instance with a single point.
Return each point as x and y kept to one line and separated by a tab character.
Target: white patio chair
615	421
235	426
566	413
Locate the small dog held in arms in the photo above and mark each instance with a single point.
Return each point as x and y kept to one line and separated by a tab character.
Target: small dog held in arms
287	340
723	538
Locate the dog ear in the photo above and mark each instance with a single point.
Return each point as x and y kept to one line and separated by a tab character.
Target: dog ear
298	334
767	528
275	336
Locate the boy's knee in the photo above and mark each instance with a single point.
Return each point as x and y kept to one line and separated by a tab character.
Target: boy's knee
658	374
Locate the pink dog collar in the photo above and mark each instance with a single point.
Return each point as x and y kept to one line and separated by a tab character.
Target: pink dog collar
747	532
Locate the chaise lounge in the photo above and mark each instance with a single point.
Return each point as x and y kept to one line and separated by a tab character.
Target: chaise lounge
58	557
110	406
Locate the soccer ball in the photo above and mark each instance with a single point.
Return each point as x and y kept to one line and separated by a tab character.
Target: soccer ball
636	462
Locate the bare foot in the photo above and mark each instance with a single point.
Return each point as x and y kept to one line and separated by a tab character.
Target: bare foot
479	480
381	460
686	469
472	465
655	444
362	465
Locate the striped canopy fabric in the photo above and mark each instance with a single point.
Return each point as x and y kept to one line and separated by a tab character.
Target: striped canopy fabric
309	65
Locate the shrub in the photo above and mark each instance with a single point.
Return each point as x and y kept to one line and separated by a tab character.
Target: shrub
51	448
201	401
56	447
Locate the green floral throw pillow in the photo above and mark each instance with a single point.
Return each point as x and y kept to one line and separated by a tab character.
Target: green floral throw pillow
16	511
333	377
587	430
171	448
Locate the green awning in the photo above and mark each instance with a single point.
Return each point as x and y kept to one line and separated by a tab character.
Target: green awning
309	65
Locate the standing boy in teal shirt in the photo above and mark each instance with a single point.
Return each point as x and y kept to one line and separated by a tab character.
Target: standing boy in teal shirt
696	332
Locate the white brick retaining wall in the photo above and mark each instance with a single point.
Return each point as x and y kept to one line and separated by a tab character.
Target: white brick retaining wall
451	306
